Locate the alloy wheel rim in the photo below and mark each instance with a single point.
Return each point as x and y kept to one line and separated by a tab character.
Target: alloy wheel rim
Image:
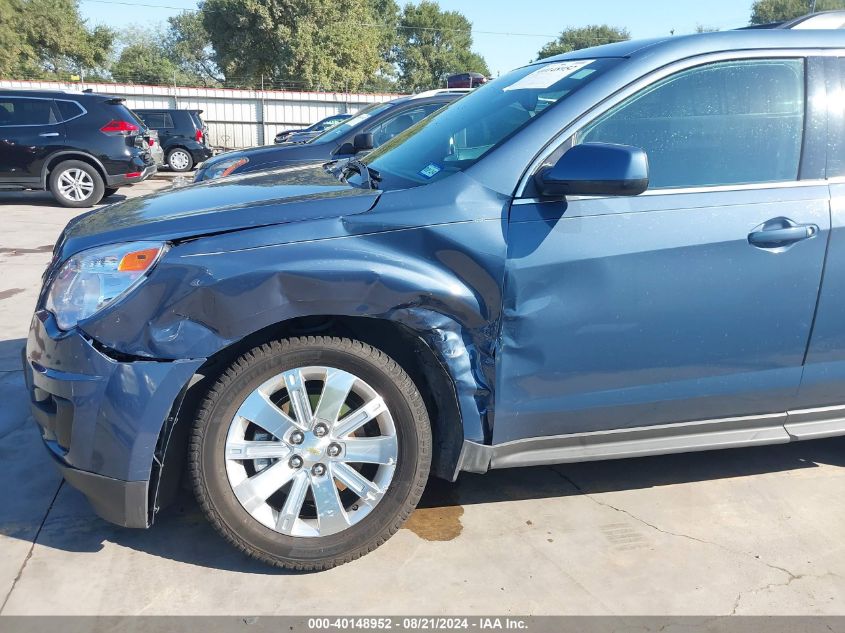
76	184
179	160
311	452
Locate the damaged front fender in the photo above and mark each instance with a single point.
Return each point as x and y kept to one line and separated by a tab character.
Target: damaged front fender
439	276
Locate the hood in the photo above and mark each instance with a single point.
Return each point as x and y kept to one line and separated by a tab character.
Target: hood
267	156
239	202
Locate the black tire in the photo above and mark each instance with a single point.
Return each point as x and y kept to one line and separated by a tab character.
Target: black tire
180	159
110	191
68	166
208	464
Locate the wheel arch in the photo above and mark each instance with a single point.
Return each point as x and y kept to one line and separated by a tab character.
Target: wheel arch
58	157
174	147
409	348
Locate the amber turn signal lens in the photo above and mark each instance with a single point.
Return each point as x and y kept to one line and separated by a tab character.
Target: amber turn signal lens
138	261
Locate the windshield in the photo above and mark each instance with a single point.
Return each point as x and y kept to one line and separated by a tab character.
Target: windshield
339	130
459	135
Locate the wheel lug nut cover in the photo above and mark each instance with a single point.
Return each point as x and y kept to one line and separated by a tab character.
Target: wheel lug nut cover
295	462
297	437
320	430
333	450
318	470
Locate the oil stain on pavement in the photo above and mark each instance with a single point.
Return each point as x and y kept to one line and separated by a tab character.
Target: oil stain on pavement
438	515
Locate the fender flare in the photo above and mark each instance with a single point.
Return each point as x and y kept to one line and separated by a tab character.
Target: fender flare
70	153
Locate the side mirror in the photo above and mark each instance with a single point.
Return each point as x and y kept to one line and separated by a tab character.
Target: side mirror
363	142
596	169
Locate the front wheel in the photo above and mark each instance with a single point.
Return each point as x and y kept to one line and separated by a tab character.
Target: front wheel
310	452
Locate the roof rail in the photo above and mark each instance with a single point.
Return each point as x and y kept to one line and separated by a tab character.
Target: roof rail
441	91
822	20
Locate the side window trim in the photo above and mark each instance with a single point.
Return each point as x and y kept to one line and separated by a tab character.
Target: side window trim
82	110
834	155
563	140
816	120
53	107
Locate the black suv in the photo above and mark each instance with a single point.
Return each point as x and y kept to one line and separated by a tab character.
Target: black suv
182	134
79	146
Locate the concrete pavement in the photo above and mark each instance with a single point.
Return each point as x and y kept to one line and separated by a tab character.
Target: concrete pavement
746	531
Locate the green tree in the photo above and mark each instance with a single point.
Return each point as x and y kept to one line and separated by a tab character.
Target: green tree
387	15
576	38
766	11
16	51
188	46
434	44
321	43
143	60
39	37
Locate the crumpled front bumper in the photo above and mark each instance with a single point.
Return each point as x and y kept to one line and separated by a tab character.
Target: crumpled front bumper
101	418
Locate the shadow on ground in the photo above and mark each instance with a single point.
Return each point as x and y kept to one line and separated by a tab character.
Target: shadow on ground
181	532
44	199
11	348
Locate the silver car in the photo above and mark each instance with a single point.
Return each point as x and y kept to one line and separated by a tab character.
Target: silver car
155	147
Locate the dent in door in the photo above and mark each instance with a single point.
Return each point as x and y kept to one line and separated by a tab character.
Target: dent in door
652	310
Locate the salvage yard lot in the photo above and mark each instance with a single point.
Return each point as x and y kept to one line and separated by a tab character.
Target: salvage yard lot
747	531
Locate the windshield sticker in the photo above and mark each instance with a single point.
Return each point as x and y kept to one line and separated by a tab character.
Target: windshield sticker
430	170
549	75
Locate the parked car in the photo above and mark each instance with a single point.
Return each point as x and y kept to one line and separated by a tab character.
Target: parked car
183	135
304	134
369	128
155	147
487	290
81	147
466	80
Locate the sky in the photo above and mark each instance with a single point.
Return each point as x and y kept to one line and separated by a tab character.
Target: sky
520	27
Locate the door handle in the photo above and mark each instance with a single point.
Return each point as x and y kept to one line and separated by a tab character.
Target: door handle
49	134
779	232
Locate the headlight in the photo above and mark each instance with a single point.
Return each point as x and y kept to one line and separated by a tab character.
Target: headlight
224	167
89	281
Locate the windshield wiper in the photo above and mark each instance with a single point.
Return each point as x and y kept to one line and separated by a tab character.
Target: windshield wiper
369	175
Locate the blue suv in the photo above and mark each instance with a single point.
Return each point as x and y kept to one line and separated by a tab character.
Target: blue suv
629	250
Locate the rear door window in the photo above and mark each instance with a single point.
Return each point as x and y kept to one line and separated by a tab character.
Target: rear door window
69	109
157	120
20	111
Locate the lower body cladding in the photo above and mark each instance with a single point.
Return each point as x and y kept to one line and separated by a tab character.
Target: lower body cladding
660	439
138	172
101	418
